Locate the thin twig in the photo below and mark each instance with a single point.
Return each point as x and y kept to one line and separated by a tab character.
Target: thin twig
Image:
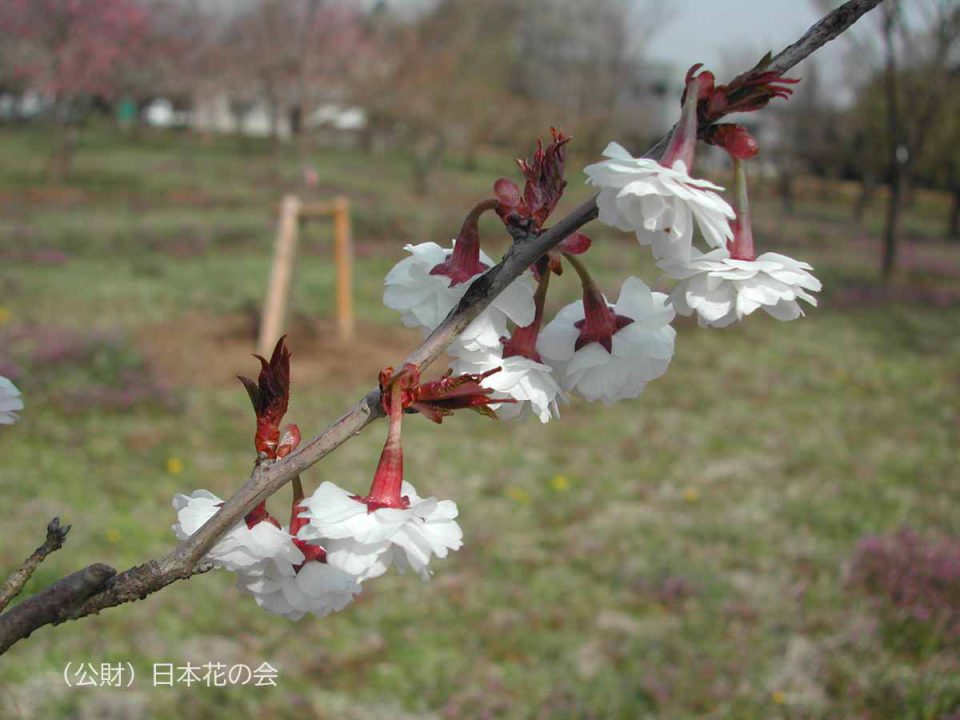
142	580
56	536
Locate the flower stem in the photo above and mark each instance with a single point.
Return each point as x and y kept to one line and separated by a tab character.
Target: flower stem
741	247
388	479
524	339
464	261
586	280
683	142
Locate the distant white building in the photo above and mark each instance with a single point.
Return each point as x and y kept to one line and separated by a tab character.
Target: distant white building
222	114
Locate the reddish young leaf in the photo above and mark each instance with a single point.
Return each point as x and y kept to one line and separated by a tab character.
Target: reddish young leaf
270	396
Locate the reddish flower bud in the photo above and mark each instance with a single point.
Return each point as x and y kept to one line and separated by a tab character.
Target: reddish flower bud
735	139
543	188
750	91
270	395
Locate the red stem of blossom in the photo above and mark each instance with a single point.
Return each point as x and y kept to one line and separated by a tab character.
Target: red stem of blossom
741	247
388	479
464	261
684	139
523	342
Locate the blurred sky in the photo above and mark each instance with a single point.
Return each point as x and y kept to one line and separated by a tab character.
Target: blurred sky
728	36
715	33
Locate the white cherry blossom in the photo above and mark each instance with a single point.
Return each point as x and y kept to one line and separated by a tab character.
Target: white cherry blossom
640	351
424	300
722	290
317	588
241	548
365	542
659	203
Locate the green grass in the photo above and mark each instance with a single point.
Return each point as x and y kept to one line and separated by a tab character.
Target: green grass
744	477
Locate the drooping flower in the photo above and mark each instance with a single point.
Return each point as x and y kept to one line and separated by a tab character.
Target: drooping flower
515	371
660	201
722	290
365	540
424	298
726	284
293	589
248	546
10	402
392	525
610	352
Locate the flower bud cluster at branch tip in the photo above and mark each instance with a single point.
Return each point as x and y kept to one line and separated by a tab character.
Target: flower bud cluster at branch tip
543	187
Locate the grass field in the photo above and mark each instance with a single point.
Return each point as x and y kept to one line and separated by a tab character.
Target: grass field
688	554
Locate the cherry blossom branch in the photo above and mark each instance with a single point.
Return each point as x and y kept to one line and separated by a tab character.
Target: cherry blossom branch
56	536
98	587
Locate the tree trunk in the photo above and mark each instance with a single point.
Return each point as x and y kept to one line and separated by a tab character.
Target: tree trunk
426	158
953	223
891	231
785	186
64	143
867	187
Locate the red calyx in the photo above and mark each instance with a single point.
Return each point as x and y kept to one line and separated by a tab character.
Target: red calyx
258	515
523	342
270	395
437	399
464	262
733	138
600	322
388	479
310	551
543	188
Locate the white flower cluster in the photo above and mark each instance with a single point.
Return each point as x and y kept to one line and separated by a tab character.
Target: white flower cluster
660	205
360	543
641	351
424	300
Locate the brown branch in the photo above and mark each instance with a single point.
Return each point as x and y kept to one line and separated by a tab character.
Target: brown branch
56	535
142	580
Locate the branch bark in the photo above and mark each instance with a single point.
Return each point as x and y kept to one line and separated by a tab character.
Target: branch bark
56	536
55	604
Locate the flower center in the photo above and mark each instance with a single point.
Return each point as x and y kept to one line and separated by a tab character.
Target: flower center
600	322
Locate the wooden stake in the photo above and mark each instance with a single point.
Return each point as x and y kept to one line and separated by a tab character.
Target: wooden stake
275	308
343	253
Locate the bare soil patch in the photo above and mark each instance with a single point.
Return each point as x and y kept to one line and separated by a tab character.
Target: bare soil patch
204	349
